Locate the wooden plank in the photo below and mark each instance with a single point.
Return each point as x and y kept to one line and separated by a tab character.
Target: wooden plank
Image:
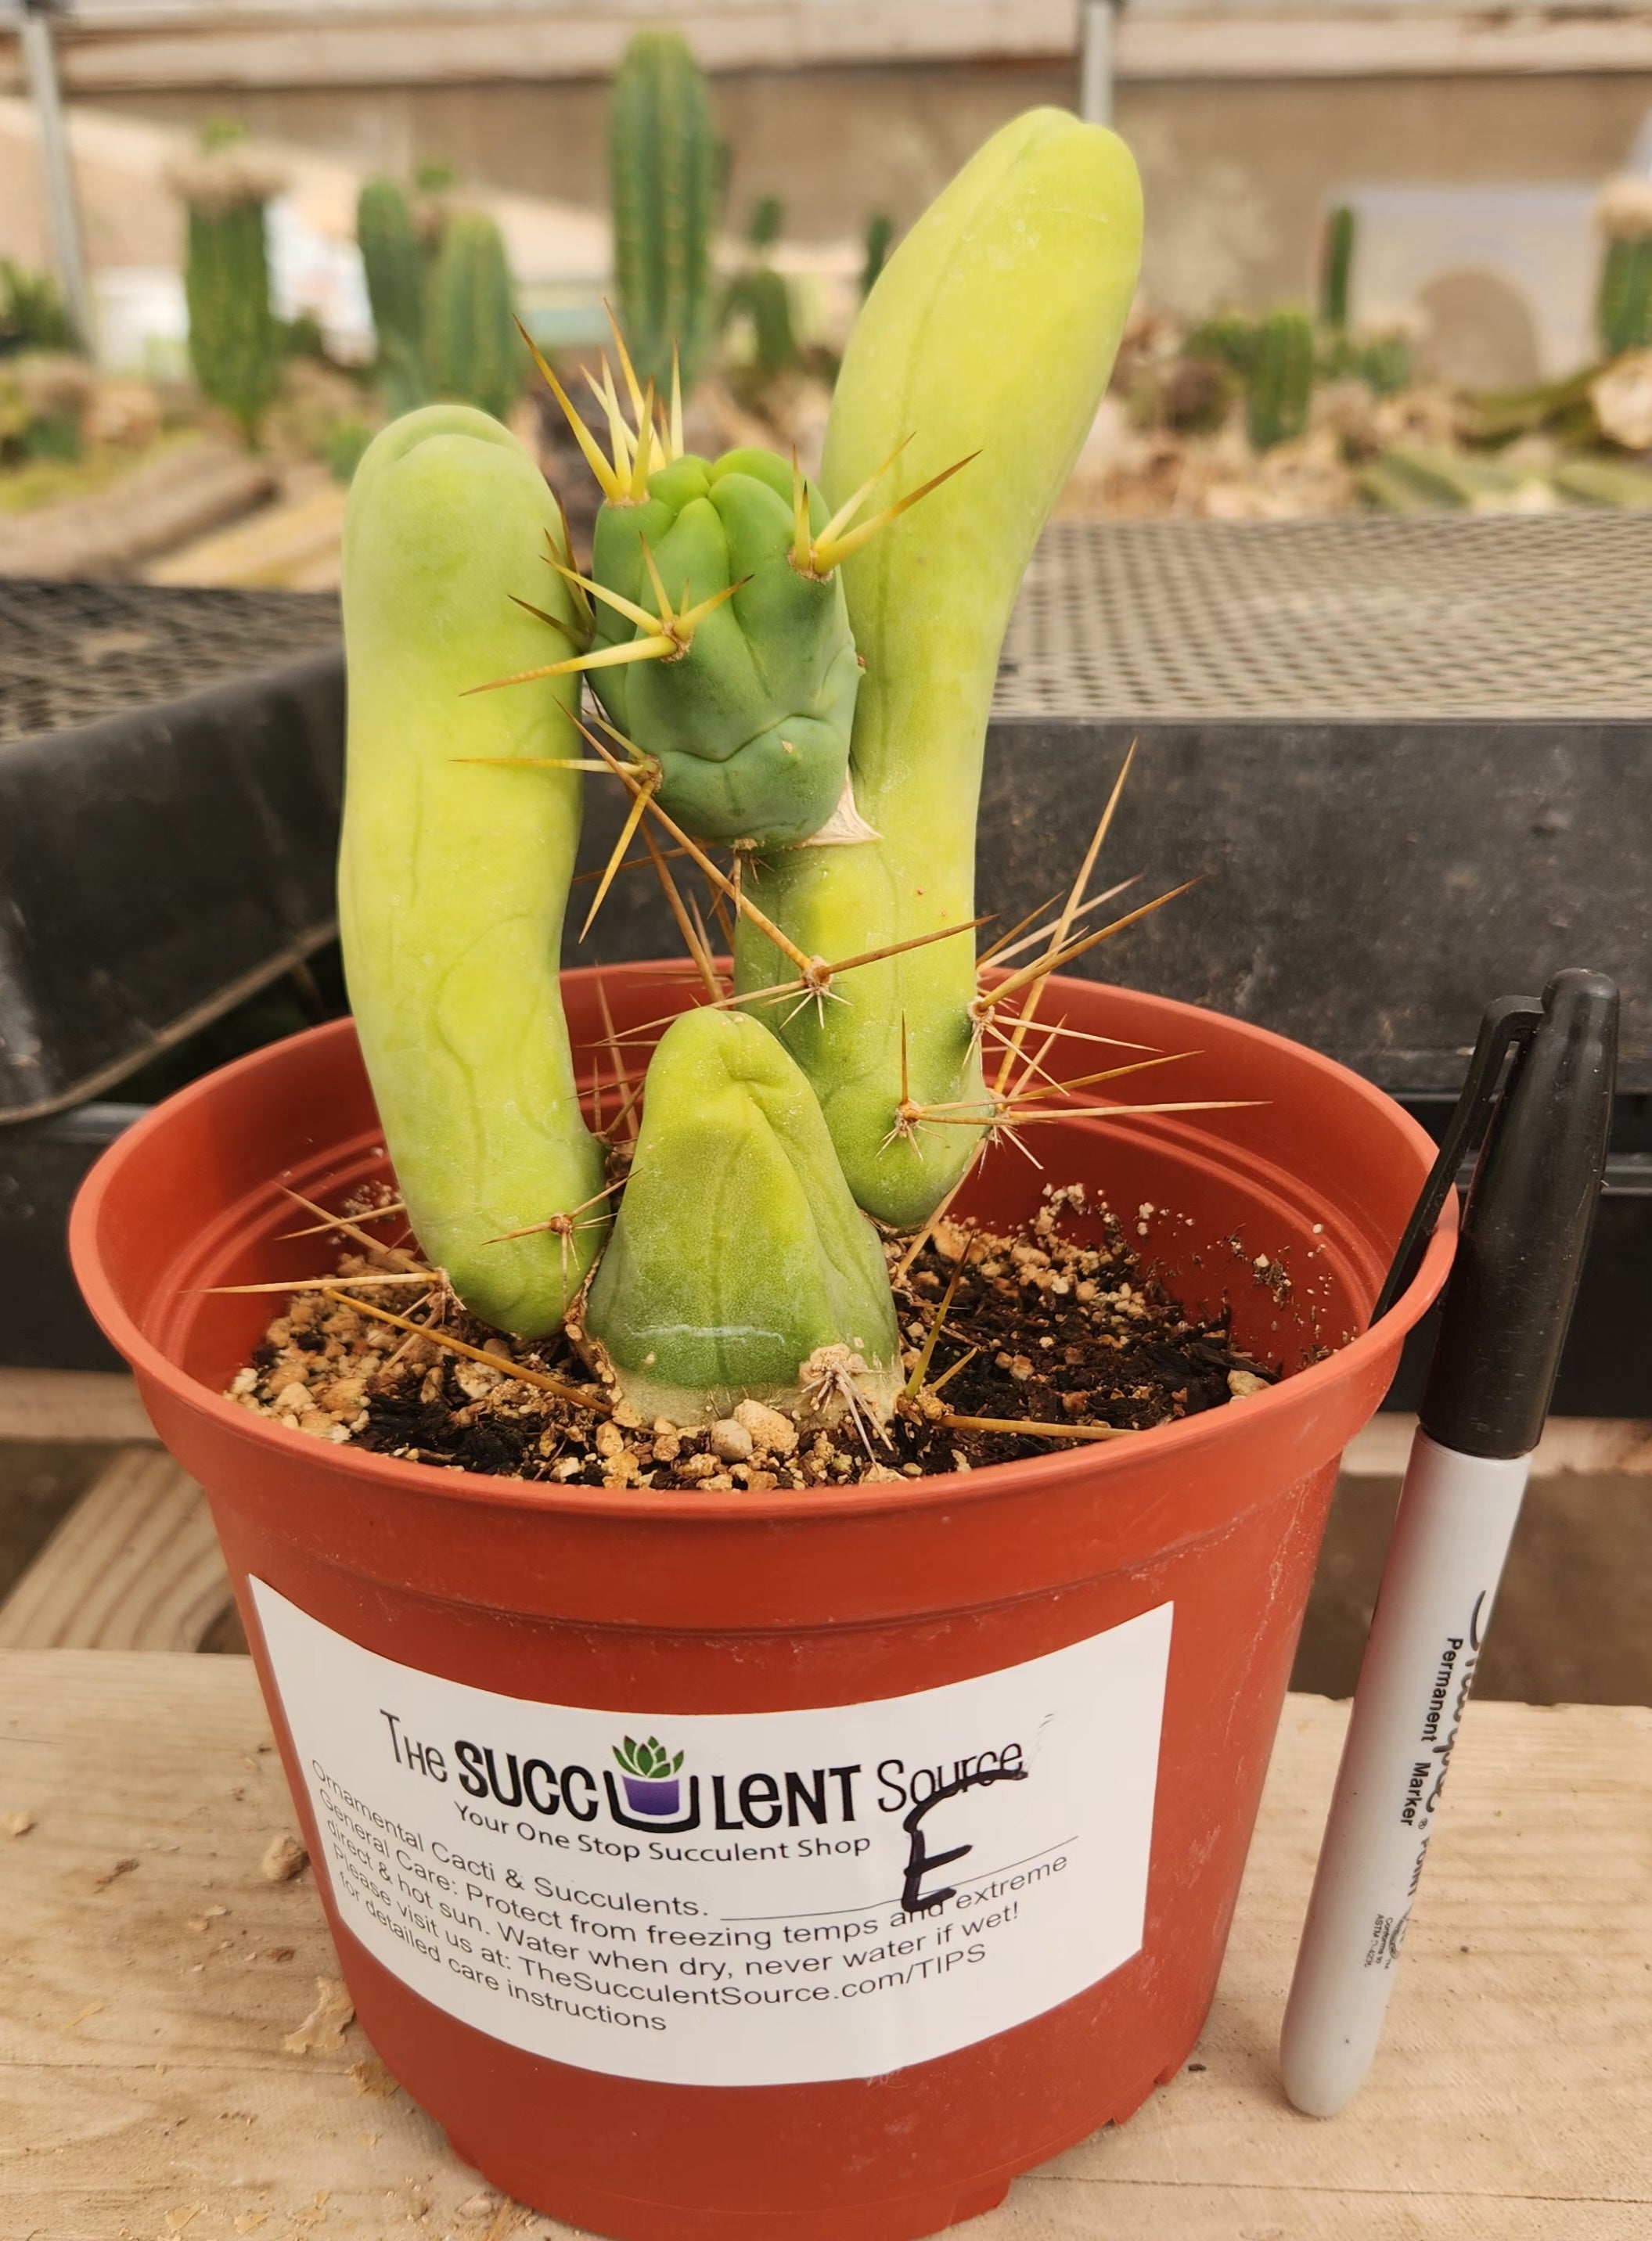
144	2088
71	1404
135	1565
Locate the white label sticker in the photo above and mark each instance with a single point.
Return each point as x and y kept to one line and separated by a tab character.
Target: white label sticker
757	1898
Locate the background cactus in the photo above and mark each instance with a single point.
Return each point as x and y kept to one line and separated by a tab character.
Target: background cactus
390	259
1229	339
395	262
1281	379
761	294
235	337
471	348
875	246
1337	268
664	169
1624	302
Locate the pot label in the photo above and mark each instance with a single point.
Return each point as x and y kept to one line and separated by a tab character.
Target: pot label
755	1898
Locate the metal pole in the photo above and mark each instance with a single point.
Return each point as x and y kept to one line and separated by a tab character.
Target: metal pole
1097	32
40	57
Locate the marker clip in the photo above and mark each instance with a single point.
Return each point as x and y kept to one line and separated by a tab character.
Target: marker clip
1509	1023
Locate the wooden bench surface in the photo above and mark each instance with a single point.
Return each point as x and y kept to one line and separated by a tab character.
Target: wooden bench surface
150	1975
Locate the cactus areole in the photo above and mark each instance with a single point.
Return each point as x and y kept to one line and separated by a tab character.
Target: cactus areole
803	673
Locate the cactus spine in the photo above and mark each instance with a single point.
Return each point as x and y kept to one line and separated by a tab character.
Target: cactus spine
1337	268
471	348
663	168
1281	379
234	340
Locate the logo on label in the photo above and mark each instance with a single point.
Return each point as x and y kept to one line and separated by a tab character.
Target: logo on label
649	1774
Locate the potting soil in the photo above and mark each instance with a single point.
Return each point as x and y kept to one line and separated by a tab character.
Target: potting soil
1063	1326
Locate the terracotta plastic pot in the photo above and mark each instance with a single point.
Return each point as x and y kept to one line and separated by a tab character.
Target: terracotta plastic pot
827	2009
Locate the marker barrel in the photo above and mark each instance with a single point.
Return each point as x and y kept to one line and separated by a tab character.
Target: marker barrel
1457	1516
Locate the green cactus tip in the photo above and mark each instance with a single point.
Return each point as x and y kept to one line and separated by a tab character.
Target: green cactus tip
740	689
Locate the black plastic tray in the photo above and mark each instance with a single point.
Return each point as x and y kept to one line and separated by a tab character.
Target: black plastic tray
171	769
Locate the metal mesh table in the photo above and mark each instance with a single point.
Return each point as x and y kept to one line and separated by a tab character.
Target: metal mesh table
73	653
1356	617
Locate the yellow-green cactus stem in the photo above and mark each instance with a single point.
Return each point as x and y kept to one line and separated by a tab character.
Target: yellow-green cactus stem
739	1266
453	874
991	330
750	720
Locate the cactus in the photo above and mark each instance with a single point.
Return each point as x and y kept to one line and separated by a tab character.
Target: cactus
452	878
663	167
719	642
1623	300
396	261
721	620
235	338
1604	482
1623	307
739	1258
1337	268
33	316
880	231
390	259
1228	340
762	296
1281	379
472	346
993	330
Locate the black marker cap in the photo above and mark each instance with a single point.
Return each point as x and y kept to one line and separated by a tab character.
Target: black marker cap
1526	1229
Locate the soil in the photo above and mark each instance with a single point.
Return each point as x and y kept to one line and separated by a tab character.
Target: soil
1062	1325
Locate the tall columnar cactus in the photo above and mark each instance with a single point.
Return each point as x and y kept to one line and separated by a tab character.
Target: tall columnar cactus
235	337
472	346
390	259
1280	381
663	171
991	331
1337	268
1624	302
454	874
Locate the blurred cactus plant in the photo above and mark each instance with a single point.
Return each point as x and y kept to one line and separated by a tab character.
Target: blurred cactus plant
1337	268
1280	382
1623	300
235	343
471	347
664	173
874	250
392	264
759	294
443	308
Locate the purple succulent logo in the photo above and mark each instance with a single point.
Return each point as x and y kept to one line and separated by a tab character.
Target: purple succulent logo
649	1774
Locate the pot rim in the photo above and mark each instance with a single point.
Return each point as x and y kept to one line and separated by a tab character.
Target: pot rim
1186	1439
